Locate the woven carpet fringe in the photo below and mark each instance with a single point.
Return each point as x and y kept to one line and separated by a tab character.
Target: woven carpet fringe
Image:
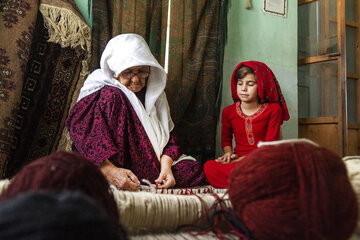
65	27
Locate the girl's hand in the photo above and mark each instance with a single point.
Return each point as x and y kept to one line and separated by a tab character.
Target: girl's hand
227	157
238	159
166	178
121	178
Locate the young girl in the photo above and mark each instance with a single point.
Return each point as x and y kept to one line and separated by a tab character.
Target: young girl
258	111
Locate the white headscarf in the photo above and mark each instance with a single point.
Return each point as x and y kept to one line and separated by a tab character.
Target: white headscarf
125	51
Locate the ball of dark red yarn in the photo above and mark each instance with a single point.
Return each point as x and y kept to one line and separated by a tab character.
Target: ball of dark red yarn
64	171
294	191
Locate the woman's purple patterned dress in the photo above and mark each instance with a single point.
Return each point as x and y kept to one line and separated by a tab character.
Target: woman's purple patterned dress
104	126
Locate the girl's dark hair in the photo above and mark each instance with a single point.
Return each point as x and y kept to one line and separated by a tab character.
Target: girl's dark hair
243	71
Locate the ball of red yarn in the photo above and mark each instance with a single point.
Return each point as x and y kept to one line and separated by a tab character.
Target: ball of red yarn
294	191
64	171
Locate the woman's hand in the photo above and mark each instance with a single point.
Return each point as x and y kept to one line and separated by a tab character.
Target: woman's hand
121	178
166	178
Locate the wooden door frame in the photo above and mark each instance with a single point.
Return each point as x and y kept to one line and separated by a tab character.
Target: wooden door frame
342	77
356	24
341	119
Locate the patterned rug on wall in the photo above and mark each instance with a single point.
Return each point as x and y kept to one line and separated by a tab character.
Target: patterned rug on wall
50	79
17	23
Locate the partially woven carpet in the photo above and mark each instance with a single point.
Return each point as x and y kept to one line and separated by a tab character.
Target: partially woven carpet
186	191
153	212
183	236
149	212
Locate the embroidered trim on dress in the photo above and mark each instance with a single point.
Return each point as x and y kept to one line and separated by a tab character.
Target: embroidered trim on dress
249	119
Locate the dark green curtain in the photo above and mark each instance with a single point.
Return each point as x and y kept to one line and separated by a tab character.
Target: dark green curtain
114	17
195	63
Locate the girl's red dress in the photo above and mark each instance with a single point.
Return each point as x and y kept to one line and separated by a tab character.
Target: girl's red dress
264	125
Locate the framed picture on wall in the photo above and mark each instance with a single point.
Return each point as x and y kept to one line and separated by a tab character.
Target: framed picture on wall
277	7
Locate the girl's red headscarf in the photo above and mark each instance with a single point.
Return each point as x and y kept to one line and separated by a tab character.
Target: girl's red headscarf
268	87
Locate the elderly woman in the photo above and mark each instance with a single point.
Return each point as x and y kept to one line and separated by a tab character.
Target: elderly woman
122	121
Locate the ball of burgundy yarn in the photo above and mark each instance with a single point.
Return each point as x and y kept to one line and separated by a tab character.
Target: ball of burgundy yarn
64	171
294	191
